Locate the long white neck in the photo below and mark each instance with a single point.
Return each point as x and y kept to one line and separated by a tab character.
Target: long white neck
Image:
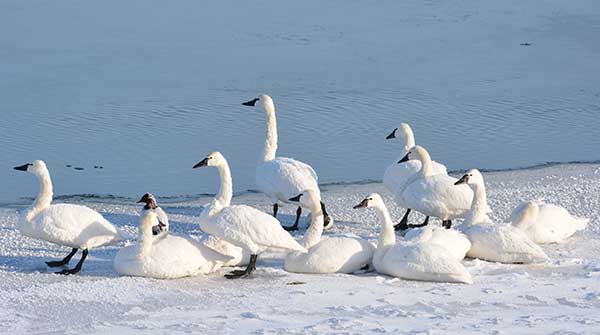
223	198
44	197
313	234
426	169
410	140
387	236
145	238
478	212
271	141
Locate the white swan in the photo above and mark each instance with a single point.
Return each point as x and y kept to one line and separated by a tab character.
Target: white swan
244	226
501	243
165	256
151	205
452	240
335	254
546	223
435	194
398	174
415	259
281	178
74	226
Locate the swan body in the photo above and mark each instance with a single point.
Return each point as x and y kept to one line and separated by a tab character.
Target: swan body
165	256
455	242
501	243
237	255
417	259
281	178
336	254
241	225
546	223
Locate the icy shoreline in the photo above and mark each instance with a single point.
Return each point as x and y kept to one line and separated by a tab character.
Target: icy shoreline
562	296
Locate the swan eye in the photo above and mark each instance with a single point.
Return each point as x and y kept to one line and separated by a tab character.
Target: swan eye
370	199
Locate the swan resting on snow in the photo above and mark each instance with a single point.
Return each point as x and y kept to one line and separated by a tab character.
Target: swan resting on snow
241	225
452	240
490	241
546	223
399	173
417	259
74	226
150	205
336	254
282	178
165	256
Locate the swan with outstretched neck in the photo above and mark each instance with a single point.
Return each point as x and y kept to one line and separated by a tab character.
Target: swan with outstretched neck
282	178
491	241
74	226
398	174
241	225
333	254
417	259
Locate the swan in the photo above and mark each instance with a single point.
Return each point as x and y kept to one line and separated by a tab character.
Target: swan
398	174
243	226
336	254
150	205
165	256
546	223
501	243
281	178
434	194
453	240
74	226
415	259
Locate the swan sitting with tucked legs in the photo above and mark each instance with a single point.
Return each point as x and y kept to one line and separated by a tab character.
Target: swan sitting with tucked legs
398	174
243	226
434	194
336	254
151	205
165	256
546	223
281	178
74	226
452	240
493	242
416	259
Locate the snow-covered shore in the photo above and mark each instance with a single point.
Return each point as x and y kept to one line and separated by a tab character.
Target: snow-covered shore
561	297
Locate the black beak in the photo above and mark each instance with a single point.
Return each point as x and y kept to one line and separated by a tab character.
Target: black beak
463	180
144	199
363	204
404	159
296	198
202	163
22	167
392	134
250	103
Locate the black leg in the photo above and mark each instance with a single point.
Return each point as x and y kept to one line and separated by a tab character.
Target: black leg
327	218
403	224
64	261
243	273
295	226
447	224
426	222
77	267
275	209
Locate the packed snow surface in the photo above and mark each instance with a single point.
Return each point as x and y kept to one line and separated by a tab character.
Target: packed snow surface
560	297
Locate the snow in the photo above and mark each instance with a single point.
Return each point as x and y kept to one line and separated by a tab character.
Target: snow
559	297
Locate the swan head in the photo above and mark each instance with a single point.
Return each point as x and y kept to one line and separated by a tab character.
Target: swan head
417	152
213	159
262	101
36	167
472	177
149	200
402	132
308	198
372	200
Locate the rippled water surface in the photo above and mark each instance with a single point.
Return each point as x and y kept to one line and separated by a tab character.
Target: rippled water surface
146	89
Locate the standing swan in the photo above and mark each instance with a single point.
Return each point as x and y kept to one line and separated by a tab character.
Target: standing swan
398	174
165	256
151	205
281	178
74	226
337	254
501	243
415	259
241	225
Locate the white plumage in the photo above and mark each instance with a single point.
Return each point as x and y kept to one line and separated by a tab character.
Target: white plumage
452	240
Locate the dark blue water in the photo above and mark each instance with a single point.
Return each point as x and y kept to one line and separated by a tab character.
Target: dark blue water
147	89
